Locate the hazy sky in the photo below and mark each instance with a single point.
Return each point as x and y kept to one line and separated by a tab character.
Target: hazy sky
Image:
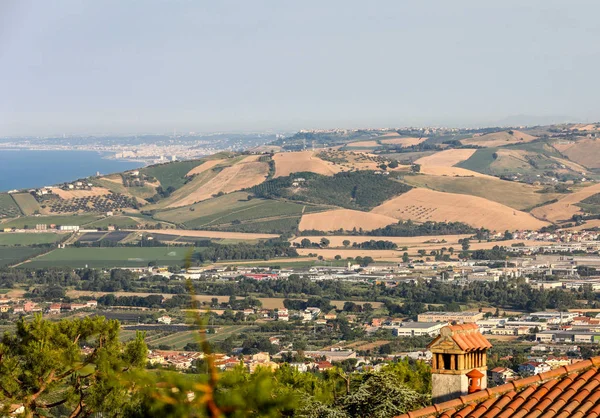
136	66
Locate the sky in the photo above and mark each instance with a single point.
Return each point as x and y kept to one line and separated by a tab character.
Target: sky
92	67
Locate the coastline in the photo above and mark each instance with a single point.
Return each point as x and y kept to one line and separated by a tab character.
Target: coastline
24	168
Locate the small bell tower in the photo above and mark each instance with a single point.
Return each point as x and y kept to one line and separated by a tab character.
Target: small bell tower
459	362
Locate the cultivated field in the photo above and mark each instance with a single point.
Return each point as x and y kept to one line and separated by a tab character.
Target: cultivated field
566	207
446	158
423	205
584	152
516	195
287	163
218	206
12	255
171	174
246	173
203	167
450	171
72	194
14	238
211	234
363	144
345	219
402	141
499	139
119	222
110	257
32	221
8	207
27	203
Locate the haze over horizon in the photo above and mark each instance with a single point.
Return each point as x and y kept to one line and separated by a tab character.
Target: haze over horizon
153	66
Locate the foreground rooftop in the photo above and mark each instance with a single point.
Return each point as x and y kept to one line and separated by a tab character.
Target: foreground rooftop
569	391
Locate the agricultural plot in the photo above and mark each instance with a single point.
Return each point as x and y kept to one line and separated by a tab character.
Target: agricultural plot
567	206
115	236
244	174
498	139
516	195
591	204
24	239
236	212
584	152
13	255
344	219
254	210
218	205
274	226
212	234
31	221
447	158
92	237
172	174
528	159
27	203
108	257
423	205
102	203
287	163
8	207
116	221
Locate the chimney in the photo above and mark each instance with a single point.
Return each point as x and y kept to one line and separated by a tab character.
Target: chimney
459	362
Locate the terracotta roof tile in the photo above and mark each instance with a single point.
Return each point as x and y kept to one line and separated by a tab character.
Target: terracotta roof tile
570	391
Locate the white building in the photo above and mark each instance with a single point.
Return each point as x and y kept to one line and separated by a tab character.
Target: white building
415	329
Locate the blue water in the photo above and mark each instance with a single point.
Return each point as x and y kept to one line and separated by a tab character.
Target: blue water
28	169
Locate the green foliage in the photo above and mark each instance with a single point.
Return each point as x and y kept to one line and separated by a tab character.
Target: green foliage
410	229
43	367
355	190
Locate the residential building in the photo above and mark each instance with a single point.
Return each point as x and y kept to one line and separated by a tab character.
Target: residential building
501	375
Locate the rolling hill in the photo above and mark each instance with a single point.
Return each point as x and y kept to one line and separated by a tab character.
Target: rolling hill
492	178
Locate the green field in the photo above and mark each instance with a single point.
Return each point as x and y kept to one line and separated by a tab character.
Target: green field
480	161
32	221
213	207
515	195
222	211
110	257
8	207
12	255
171	174
273	226
591	204
27	203
536	157
12	239
124	222
178	340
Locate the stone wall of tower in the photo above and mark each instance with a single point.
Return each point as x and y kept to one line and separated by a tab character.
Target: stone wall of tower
445	387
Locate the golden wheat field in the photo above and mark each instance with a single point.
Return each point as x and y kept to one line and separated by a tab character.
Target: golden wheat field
287	163
345	219
423	205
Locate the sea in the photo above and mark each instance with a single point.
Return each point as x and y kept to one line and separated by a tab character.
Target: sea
23	169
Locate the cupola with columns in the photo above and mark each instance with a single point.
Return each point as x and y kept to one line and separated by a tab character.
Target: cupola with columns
459	361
